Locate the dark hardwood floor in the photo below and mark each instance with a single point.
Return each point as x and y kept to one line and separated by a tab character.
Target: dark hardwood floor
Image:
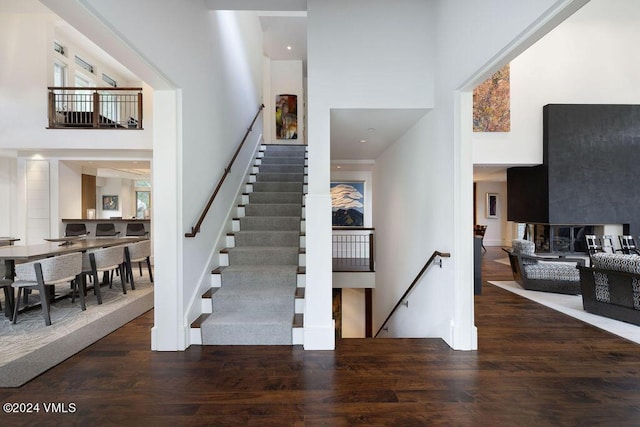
534	367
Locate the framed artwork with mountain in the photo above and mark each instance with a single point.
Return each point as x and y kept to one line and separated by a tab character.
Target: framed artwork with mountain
347	204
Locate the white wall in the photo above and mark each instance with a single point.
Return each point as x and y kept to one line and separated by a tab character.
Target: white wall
585	60
499	230
26	55
353	313
121	187
286	79
8	187
428	172
355	64
70	193
213	61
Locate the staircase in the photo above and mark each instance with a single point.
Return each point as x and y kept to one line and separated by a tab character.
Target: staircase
257	294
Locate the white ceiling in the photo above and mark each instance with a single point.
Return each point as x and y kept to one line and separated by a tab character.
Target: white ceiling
378	128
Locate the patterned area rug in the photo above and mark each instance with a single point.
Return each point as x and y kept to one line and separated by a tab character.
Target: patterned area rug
30	347
571	305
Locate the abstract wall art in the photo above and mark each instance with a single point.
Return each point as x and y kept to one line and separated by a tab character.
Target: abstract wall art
287	117
492	103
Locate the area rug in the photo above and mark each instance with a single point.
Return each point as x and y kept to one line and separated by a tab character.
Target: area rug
571	305
29	348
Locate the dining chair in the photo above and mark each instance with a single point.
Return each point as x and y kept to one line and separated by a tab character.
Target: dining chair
104	260
39	275
138	252
5	284
628	245
607	244
106	230
591	241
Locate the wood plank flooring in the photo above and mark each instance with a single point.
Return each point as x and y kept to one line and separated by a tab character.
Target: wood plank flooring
534	367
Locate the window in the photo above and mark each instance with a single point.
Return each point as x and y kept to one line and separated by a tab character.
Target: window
84	64
83	98
108	80
143	198
59	74
58	48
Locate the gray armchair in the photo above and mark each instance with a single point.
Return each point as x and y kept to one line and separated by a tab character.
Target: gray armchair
548	274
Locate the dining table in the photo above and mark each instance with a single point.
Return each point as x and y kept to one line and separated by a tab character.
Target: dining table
25	253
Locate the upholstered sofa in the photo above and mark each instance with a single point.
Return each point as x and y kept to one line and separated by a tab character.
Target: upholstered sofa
611	286
538	273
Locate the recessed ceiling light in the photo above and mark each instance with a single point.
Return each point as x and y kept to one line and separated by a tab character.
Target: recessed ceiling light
363	140
370	130
288	47
338	167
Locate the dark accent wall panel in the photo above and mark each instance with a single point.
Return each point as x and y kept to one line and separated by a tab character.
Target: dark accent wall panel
527	194
592	153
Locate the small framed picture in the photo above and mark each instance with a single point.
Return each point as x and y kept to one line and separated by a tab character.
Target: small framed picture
493	207
109	203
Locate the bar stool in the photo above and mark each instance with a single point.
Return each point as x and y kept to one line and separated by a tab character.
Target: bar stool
107	229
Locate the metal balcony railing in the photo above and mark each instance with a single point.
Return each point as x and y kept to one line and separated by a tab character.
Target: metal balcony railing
95	108
352	249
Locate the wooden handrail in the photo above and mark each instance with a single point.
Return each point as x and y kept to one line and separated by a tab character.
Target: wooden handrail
196	229
413	284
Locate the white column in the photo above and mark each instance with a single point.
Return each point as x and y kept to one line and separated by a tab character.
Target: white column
464	334
169	332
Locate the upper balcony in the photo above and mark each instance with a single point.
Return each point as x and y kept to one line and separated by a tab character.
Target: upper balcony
95	108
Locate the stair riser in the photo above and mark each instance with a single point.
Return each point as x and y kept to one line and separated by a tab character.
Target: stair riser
248	335
280	169
273	197
232	303
272	209
270	223
267	239
281	256
281	161
295	187
280	177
